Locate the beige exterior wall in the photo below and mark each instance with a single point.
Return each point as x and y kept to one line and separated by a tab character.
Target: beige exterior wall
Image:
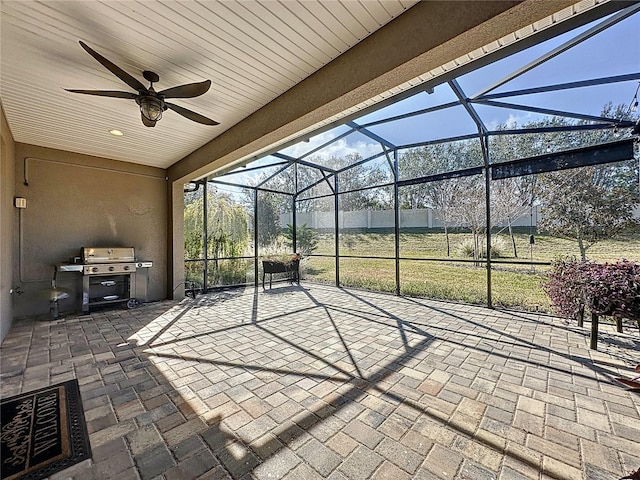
7	224
77	200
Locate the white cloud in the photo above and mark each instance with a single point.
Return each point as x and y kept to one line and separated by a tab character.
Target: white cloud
338	148
514	119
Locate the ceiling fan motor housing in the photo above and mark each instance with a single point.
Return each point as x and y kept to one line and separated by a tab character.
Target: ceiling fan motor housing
150	76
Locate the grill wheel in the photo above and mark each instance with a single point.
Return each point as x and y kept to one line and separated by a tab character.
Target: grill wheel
133	303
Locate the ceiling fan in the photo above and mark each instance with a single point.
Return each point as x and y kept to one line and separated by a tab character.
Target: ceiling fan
151	103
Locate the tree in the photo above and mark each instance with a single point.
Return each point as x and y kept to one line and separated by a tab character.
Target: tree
510	199
358	177
193	230
432	160
585	205
589	206
442	197
447	198
469	209
227	228
306	239
270	205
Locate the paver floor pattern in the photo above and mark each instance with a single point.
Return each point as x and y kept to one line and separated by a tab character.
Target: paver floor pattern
312	381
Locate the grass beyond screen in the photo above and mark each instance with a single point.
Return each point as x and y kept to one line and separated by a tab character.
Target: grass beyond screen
514	285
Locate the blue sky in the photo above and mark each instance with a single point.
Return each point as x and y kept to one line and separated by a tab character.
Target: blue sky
615	51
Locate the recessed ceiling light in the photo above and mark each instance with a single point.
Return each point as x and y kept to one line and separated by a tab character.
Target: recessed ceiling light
115	132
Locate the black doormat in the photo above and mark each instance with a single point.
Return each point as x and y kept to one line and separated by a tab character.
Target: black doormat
43	432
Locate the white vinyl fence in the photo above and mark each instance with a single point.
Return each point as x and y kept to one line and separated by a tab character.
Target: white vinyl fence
372	219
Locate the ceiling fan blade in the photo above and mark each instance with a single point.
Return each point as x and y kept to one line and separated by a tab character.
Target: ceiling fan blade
147	122
189	90
113	68
196	117
105	93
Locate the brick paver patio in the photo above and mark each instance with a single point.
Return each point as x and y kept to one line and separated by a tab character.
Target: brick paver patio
308	382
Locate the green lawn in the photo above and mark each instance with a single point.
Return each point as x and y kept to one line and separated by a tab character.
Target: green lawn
433	245
513	285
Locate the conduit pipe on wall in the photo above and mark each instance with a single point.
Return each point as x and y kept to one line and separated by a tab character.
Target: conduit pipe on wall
93	167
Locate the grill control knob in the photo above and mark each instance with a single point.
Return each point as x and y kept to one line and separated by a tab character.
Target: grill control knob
126	267
94	269
111	269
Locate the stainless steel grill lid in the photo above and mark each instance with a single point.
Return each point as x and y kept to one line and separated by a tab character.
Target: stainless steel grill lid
107	255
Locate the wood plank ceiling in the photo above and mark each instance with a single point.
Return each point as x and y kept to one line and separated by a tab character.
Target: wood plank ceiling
252	51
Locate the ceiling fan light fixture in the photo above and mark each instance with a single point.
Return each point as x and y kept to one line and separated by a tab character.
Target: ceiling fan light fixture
151	108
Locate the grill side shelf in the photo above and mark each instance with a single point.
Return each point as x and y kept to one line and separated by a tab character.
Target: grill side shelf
69	267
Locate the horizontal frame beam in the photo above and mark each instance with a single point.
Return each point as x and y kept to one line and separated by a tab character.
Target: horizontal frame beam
581	157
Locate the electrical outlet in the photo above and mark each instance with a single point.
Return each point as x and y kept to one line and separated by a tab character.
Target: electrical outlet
21	202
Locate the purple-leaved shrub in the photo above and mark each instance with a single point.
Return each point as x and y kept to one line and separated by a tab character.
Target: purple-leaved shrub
614	290
609	289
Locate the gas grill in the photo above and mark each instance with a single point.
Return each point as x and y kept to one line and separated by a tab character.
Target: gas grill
109	276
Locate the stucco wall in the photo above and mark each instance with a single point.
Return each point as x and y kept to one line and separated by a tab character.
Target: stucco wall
7	222
76	200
